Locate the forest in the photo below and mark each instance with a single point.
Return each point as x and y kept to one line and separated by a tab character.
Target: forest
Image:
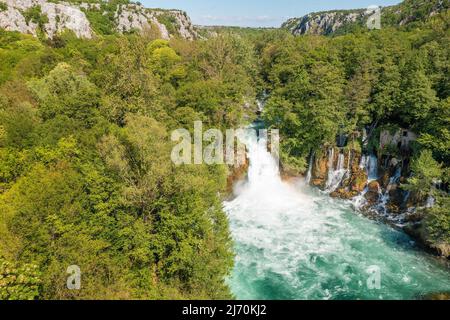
85	172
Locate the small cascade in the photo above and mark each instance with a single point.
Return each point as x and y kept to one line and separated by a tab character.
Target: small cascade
385	197
349	165
360	200
335	175
311	164
261	102
431	201
365	138
372	167
330	165
260	105
363	162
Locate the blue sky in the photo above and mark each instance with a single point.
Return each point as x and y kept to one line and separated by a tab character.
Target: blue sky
256	13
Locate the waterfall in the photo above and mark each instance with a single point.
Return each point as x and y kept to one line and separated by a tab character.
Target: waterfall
335	176
385	197
292	242
363	162
360	199
311	164
431	201
260	104
364	138
349	165
372	167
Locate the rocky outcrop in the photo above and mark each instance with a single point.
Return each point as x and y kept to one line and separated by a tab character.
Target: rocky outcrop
325	23
319	171
169	22
53	17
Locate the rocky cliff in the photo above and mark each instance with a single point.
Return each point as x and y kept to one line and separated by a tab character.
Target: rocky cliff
325	23
50	17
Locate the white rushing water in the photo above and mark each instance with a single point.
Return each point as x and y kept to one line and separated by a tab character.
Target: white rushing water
335	174
310	166
372	167
292	242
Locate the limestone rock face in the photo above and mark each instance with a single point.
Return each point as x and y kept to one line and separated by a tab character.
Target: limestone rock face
322	23
133	16
325	23
60	16
13	20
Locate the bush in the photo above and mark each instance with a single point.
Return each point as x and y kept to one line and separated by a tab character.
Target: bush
18	282
34	14
437	221
3	6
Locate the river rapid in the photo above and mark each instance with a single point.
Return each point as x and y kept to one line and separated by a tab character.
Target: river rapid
294	242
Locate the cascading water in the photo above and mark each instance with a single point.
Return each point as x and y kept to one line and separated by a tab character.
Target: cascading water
430	202
372	167
292	242
385	197
335	175
309	174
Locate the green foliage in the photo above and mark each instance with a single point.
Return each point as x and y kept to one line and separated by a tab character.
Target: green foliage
3	6
85	171
18	282
103	20
426	171
169	21
437	221
65	92
436	135
34	14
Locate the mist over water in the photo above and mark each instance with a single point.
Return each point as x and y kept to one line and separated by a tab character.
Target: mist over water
292	242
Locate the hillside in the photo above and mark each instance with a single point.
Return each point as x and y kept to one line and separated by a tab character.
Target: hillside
338	21
87	19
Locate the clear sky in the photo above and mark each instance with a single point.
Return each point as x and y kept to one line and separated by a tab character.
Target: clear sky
256	13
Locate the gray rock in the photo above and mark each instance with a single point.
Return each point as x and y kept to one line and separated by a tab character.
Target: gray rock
67	16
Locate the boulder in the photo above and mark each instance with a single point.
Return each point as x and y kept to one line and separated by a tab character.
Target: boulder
343	193
374	186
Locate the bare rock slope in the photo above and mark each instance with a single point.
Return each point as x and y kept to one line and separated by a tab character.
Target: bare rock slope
50	17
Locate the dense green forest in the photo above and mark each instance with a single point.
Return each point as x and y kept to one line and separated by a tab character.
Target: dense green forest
85	172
